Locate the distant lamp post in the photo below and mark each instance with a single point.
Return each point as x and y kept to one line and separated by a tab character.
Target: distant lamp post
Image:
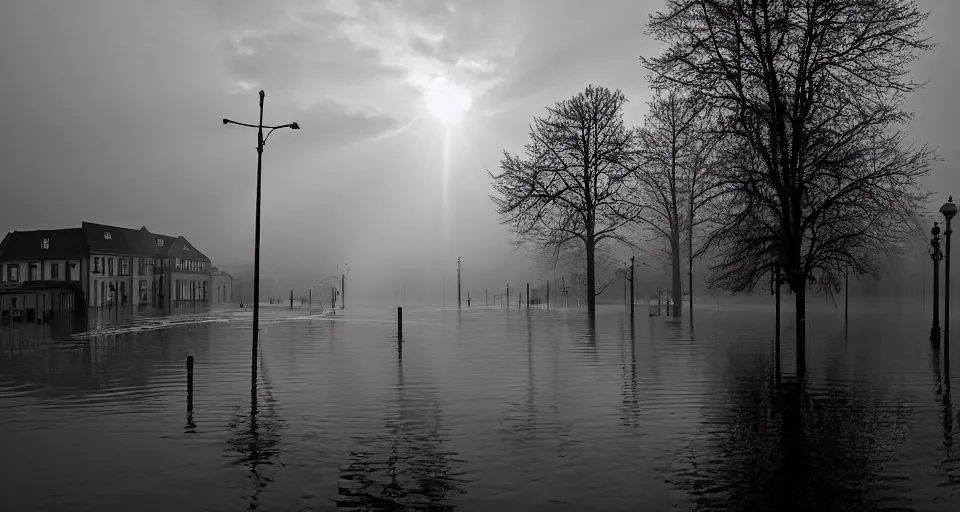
261	141
936	254
343	285
949	210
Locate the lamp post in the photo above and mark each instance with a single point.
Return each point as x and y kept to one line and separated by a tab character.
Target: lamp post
458	282
949	210
936	254
261	141
343	285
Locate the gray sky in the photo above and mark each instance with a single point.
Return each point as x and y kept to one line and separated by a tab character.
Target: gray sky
111	113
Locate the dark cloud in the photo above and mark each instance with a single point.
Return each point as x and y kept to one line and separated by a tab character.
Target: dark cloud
305	58
329	124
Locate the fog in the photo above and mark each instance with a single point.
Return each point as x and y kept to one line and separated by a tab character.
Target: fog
112	114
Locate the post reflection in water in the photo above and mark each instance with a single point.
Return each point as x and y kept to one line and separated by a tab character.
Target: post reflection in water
406	468
951	464
256	436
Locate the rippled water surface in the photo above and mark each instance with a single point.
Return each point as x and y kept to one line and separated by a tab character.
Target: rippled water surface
478	410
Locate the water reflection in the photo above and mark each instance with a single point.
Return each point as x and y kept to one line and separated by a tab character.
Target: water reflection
256	435
630	406
406	469
785	447
951	463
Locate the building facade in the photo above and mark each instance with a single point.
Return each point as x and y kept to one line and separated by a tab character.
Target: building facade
97	266
222	287
41	272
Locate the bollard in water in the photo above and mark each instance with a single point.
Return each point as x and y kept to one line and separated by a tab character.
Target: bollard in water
189	383
400	323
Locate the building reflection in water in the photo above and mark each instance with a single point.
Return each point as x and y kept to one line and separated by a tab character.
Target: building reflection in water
256	434
406	468
784	447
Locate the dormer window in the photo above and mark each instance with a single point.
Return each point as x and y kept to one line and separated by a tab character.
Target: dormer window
159	242
45	243
106	235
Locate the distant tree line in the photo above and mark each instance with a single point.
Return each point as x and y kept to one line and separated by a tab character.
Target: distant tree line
771	150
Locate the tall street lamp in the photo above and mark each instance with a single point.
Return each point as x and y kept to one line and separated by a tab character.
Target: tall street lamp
936	254
343	285
949	210
261	141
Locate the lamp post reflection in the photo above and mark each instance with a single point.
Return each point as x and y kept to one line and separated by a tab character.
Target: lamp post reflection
630	408
255	438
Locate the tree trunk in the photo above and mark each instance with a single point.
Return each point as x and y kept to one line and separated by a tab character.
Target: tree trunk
677	278
800	293
591	280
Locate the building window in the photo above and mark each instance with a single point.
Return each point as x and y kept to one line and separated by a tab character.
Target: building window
159	242
166	263
110	267
13	303
32	272
143	291
124	266
45	243
96	265
176	264
123	292
204	291
13	273
54	271
106	235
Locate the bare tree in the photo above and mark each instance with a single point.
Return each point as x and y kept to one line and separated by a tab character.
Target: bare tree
674	150
815	90
569	188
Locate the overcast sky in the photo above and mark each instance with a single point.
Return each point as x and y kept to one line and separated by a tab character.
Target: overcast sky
111	113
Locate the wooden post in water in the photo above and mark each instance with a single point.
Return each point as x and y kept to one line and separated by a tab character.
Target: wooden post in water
508	296
291	298
486	298
310	295
400	324
189	383
528	295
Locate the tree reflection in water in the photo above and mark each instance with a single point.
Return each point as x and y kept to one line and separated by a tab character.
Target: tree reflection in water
784	447
524	427
256	435
406	469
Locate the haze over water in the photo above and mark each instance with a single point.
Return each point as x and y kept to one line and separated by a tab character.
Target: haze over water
480	410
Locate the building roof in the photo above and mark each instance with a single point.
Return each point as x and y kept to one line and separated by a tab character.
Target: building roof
217	272
181	248
61	244
93	237
109	239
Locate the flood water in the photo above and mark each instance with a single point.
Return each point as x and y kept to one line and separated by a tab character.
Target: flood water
479	410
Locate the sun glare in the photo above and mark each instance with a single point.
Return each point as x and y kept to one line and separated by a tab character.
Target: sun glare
447	102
